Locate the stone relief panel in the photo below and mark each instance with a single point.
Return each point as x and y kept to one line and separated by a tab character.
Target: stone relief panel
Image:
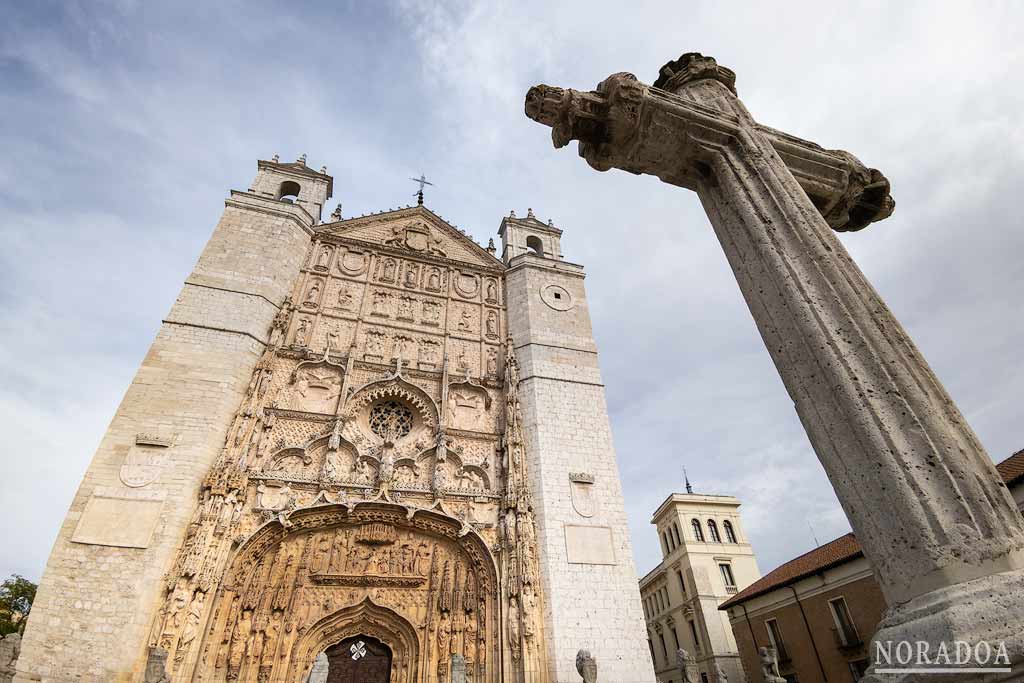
464	356
491	290
302	330
315	390
432	312
468	407
464	319
381	303
351	262
491	354
413	583
344	297
322	258
314	291
492	325
333	333
411	272
435	279
467	285
386	270
144	460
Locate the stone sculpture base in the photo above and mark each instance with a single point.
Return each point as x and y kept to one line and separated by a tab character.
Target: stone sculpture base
985	609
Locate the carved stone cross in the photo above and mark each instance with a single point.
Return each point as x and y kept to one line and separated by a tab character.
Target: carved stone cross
921	493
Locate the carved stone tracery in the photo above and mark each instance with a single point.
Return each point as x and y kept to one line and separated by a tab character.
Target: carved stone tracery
341	506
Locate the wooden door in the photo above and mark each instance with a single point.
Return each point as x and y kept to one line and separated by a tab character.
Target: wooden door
359	660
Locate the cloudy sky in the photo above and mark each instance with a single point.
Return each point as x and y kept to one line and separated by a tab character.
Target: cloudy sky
123	126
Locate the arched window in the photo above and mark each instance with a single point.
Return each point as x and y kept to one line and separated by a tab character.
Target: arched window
289	191
534	244
713	532
697	532
730	535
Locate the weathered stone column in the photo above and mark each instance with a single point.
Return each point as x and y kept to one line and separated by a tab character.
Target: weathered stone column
919	489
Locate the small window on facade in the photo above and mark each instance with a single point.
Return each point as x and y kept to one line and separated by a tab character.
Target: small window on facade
775	638
713	532
534	244
682	584
845	629
651	645
730	535
664	648
726	570
696	638
557	295
697	533
675	532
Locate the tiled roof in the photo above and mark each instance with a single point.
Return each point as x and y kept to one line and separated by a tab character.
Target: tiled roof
841	550
1012	469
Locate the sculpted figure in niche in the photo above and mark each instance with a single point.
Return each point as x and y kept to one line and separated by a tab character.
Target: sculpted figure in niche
461	362
720	676
401	347
302	332
431	312
410	276
492	291
191	629
361	473
325	254
434	280
405	307
380	303
345	298
492	362
513	628
492	324
465	321
332	339
427	351
313	294
280	324
389	270
375	344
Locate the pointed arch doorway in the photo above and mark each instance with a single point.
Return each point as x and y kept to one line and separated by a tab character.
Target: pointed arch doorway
359	659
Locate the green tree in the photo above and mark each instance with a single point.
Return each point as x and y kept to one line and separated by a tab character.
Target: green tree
16	596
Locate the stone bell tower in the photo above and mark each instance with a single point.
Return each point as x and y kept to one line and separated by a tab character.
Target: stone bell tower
102	583
585	553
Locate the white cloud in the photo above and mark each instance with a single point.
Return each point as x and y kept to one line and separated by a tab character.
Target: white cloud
129	123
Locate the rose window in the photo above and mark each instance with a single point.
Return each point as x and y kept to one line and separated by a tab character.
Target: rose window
390	420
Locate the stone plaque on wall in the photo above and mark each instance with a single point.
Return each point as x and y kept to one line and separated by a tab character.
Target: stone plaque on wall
124	522
589	545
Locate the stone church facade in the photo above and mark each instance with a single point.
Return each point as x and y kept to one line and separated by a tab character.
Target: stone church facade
370	438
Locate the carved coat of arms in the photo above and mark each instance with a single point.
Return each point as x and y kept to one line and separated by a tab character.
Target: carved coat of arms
581	489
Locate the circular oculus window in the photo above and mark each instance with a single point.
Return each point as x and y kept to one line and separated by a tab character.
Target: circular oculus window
557	297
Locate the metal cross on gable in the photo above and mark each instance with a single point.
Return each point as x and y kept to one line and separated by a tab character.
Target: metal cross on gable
358	650
422	180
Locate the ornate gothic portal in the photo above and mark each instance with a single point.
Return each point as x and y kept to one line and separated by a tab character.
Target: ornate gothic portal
372	487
